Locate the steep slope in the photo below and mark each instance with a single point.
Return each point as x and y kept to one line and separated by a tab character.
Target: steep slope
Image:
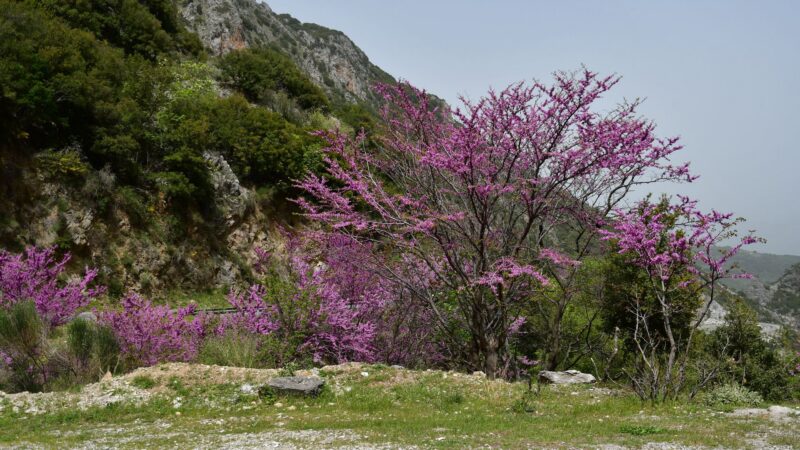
328	56
785	300
774	290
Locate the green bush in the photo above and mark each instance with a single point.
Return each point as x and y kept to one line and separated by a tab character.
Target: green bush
732	394
23	341
258	72
749	359
91	350
143	382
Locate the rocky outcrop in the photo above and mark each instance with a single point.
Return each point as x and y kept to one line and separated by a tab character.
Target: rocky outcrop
328	56
230	197
297	385
566	377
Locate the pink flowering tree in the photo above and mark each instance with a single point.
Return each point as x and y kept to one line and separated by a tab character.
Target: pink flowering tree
675	247
319	297
148	334
470	198
37	275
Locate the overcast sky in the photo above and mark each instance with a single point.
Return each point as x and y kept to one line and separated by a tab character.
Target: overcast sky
722	74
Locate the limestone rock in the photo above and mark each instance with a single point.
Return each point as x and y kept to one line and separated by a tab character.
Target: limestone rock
297	385
566	377
87	316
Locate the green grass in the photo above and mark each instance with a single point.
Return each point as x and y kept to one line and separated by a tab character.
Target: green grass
143	382
203	299
427	409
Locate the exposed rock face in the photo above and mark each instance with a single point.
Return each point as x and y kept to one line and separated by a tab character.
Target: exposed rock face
297	385
328	56
230	197
566	377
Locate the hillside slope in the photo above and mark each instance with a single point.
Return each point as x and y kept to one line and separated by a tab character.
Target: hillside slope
159	171
774	289
328	56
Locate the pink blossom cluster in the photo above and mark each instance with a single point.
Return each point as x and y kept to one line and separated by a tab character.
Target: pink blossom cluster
336	301
37	275
149	333
667	238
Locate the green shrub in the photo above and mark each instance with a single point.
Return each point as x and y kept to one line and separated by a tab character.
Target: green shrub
732	394
258	72
751	360
91	350
23	341
267	394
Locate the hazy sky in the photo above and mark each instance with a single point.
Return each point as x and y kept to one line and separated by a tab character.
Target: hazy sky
723	75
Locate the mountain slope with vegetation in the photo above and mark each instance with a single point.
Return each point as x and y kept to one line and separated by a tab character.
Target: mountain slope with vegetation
328	56
773	291
125	133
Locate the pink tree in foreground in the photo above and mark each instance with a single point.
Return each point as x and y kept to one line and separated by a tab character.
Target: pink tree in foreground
667	242
470	198
37	275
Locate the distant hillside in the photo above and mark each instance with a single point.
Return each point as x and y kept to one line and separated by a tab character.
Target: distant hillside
766	266
774	290
785	300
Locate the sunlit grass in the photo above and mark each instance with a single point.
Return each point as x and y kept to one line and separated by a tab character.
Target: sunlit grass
429	409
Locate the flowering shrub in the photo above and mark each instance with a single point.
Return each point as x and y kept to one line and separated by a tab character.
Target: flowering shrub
149	334
35	275
331	305
324	296
475	193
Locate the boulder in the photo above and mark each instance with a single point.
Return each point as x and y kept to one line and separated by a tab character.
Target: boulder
566	377
297	385
88	316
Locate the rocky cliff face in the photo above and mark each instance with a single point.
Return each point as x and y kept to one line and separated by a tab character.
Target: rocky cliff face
329	57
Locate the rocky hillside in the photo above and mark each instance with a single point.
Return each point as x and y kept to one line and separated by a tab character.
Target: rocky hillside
163	173
328	56
774	290
785	300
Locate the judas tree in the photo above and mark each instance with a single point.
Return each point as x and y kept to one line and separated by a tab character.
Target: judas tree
473	199
37	275
675	251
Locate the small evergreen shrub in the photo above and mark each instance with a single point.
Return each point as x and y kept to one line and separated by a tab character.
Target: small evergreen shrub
732	394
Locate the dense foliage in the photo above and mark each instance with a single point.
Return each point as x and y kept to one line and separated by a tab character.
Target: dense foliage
262	73
130	91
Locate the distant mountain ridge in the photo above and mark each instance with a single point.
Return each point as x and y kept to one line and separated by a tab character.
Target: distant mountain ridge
774	290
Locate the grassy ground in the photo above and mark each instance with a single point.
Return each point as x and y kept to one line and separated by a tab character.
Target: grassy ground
380	407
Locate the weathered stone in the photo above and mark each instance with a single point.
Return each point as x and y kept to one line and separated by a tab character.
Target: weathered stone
87	316
566	377
297	385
